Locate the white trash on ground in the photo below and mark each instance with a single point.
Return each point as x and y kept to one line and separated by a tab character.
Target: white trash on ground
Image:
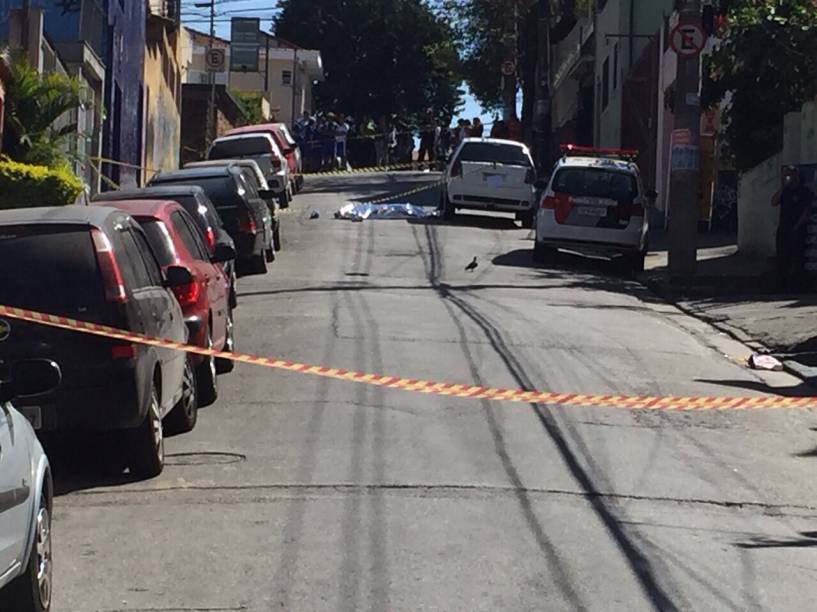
765	362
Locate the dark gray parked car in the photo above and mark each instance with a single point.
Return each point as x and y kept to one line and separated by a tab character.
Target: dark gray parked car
246	215
95	264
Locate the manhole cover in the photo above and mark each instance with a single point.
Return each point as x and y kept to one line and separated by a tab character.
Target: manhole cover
205	458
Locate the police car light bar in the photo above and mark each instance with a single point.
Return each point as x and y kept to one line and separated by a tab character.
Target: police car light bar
572	149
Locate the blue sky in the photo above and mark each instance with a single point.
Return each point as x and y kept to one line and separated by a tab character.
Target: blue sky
198	18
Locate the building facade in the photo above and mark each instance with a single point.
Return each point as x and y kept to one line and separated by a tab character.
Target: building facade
285	79
163	88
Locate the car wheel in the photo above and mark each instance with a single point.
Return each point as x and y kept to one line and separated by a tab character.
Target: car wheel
633	263
206	379
269	255
284	199
147	442
31	591
276	238
541	253
233	296
449	212
527	219
185	413
258	264
223	366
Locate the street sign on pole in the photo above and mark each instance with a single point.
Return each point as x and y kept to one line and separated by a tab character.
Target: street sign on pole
688	39
244	45
216	60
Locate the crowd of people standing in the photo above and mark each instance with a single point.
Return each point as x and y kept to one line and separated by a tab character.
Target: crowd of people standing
333	141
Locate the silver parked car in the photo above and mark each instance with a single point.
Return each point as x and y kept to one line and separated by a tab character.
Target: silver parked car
26	491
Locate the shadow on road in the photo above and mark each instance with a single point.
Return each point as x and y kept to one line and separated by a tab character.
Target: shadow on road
807	539
475	221
800	390
80	462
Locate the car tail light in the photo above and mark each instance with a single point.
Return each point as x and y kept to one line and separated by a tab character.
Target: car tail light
109	268
561	204
456	169
549	203
530	176
187	295
276	163
210	238
246	223
123	351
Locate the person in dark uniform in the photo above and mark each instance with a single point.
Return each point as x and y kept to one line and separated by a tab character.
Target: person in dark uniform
794	200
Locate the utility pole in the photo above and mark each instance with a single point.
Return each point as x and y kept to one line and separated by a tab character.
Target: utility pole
26	11
509	67
542	121
212	121
294	84
687	40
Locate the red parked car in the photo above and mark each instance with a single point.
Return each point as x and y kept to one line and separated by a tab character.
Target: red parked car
282	137
205	302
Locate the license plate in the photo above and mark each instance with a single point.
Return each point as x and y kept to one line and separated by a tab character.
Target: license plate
34	414
592	211
493	179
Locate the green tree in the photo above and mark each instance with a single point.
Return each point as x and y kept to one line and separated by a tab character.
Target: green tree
768	63
380	56
34	104
480	26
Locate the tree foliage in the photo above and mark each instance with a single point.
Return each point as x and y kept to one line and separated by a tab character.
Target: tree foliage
34	104
380	56
481	31
768	62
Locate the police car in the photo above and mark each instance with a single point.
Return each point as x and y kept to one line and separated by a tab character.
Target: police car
594	203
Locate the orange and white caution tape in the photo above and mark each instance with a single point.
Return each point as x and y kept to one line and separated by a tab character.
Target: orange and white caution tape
426	386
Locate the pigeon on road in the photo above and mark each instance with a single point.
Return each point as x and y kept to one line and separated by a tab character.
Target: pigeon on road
472	266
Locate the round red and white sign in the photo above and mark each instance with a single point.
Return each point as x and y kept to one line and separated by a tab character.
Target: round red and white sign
688	39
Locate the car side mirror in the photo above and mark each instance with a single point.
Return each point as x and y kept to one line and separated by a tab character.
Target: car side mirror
223	253
30	378
266	194
541	183
177	276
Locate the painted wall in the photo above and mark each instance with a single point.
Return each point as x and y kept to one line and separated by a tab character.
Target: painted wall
162	98
124	56
757	220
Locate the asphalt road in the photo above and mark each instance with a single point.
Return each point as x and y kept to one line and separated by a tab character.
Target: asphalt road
302	493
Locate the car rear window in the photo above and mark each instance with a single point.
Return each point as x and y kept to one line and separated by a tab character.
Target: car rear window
60	275
241	146
159	240
487	152
221	190
597	183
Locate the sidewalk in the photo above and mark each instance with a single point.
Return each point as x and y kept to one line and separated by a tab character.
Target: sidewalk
735	293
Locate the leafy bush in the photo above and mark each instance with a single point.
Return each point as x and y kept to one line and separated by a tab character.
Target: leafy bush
25	185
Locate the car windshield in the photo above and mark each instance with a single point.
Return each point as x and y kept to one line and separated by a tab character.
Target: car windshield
597	183
55	256
159	239
484	152
240	147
